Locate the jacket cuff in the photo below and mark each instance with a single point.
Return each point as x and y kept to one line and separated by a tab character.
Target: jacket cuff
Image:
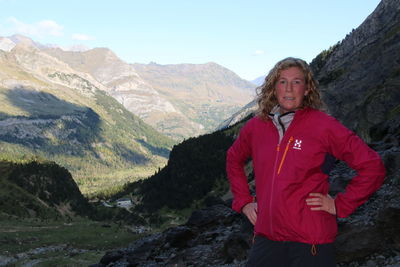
238	205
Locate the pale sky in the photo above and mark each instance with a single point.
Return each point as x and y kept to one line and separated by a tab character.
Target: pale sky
247	37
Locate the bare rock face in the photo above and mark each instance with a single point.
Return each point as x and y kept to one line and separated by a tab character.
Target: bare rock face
360	76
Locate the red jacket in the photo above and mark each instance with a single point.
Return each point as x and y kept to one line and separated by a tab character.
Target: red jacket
286	173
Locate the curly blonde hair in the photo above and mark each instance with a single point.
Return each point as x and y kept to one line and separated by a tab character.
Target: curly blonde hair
266	92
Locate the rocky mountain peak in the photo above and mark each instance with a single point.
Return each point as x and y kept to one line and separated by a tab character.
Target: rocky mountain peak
365	68
103	52
77	48
21	39
370	31
27	47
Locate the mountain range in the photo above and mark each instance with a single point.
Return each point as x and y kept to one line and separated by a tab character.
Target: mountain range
205	93
161	95
68	105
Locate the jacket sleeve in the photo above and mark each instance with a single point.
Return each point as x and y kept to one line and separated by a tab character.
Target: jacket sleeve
347	146
237	155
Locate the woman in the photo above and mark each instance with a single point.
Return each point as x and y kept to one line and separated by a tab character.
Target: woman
288	140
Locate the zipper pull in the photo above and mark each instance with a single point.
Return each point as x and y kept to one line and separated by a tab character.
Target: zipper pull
284	154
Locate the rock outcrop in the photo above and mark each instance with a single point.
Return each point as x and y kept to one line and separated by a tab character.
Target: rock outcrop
213	236
360	77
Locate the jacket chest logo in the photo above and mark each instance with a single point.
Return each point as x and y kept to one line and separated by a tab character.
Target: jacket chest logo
297	144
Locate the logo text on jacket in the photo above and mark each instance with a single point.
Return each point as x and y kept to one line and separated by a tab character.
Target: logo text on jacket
297	144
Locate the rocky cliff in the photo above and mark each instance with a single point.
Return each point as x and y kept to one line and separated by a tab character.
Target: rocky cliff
360	76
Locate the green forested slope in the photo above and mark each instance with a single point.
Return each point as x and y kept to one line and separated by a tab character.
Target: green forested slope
39	190
194	176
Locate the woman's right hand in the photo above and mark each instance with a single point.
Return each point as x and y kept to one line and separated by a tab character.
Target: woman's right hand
251	210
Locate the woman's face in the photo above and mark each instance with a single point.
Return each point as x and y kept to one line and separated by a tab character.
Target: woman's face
290	89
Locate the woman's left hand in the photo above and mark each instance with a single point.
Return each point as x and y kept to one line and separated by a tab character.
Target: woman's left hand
322	202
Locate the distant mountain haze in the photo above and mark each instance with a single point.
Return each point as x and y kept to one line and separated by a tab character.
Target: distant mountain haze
259	81
205	93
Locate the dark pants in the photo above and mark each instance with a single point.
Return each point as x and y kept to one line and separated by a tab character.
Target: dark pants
268	253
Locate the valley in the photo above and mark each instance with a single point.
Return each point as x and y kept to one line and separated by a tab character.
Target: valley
82	129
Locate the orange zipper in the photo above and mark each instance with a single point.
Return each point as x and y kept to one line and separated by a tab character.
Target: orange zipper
284	154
